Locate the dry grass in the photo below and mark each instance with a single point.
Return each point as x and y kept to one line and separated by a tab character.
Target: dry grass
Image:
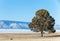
29	37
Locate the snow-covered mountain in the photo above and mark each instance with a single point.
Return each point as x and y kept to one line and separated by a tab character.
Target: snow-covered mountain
6	24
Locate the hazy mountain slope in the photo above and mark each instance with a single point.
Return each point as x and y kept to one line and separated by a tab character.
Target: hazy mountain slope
6	24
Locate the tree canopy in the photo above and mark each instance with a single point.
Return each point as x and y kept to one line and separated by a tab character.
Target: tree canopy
42	20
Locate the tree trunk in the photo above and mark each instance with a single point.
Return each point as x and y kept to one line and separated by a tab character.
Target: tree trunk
42	31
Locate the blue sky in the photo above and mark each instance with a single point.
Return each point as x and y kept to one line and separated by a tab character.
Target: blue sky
24	10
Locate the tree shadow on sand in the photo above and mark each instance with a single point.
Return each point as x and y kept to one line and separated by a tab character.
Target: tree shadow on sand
53	36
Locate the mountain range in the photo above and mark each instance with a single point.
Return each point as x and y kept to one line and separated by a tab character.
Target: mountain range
7	24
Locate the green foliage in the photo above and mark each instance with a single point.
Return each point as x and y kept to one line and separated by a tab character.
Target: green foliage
42	20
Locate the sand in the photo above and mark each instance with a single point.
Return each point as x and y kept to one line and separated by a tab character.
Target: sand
32	36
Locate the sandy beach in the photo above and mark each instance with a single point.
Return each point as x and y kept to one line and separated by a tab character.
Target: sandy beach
32	36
